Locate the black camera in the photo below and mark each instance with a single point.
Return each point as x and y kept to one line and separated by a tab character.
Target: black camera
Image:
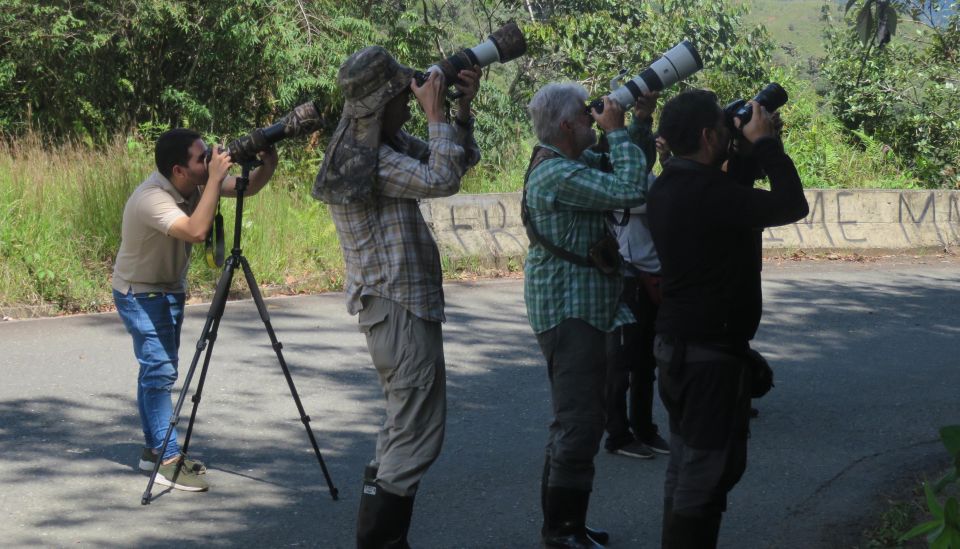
302	120
506	44
771	97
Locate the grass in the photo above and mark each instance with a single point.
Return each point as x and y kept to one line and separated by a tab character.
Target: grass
796	26
62	210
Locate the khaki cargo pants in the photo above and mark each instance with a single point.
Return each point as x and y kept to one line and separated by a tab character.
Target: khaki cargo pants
407	352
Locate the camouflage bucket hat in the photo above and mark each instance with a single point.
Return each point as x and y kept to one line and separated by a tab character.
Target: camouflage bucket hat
368	79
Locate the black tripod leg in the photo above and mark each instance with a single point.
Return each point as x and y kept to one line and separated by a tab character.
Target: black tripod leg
277	346
209	334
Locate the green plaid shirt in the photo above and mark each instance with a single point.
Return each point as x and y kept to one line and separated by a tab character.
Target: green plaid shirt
567	200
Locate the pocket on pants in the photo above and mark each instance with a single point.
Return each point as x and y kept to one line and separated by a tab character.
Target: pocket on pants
406	350
416	366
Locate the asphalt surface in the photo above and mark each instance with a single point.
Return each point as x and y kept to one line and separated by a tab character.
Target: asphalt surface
866	358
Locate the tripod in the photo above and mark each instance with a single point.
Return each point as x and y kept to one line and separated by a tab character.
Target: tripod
209	335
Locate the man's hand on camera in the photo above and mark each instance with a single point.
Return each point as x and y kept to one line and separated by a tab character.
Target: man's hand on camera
761	124
430	96
645	105
777	123
663	149
470	86
269	157
612	116
220	164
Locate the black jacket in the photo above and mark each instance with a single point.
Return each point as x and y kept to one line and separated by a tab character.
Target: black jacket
706	226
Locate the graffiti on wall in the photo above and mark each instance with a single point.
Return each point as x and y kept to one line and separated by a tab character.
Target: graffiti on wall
872	219
838	219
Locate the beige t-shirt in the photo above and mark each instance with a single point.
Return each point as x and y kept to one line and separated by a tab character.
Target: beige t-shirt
149	259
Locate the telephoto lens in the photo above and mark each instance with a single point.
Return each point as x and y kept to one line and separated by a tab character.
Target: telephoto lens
676	64
505	44
771	97
302	120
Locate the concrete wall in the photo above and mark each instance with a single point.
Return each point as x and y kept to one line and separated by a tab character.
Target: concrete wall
488	226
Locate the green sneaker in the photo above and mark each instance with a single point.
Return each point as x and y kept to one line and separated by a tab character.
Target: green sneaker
175	476
148	459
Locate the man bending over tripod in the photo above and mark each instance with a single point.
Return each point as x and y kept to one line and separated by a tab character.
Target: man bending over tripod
165	215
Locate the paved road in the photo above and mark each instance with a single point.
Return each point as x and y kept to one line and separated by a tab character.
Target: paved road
866	357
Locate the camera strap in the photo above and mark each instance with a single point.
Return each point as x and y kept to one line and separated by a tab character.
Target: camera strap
539	155
213	244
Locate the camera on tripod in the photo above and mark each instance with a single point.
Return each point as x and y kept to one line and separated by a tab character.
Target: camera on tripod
678	63
506	44
771	97
302	120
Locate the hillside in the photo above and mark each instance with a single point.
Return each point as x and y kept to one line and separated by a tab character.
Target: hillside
796	25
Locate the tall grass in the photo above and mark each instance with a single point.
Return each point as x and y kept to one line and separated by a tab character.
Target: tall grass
61	211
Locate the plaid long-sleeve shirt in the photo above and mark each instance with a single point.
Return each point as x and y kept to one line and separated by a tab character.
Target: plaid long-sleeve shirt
567	199
387	246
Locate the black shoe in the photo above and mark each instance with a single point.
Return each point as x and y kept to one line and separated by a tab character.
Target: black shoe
600	537
570	536
657	444
383	519
634	449
565	516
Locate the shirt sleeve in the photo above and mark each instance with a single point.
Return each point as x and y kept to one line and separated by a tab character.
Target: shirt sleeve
158	210
641	133
742	206
586	188
466	139
423	173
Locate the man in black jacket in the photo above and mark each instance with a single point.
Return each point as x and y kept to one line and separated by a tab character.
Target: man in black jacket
706	219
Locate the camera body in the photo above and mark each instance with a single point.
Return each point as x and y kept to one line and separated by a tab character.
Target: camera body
771	97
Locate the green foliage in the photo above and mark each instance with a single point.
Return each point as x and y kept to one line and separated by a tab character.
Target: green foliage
905	95
92	69
943	531
62	208
593	46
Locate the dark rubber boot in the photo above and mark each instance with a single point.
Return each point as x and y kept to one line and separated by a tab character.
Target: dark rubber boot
383	519
565	512
601	537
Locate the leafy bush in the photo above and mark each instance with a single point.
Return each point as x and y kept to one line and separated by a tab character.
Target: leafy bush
905	94
943	532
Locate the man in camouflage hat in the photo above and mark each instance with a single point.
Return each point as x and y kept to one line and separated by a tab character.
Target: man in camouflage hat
372	177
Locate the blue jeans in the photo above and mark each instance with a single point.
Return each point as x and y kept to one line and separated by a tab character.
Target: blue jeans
154	320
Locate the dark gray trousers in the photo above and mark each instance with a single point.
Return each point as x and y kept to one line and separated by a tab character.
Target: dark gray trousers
576	367
706	396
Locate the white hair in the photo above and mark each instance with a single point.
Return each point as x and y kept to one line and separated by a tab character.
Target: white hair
551	105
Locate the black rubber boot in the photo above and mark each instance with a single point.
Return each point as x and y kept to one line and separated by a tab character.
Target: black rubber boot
692	532
600	537
383	519
565	515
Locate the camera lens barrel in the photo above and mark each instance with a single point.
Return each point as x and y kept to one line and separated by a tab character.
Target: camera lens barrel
302	120
506	44
676	64
771	97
